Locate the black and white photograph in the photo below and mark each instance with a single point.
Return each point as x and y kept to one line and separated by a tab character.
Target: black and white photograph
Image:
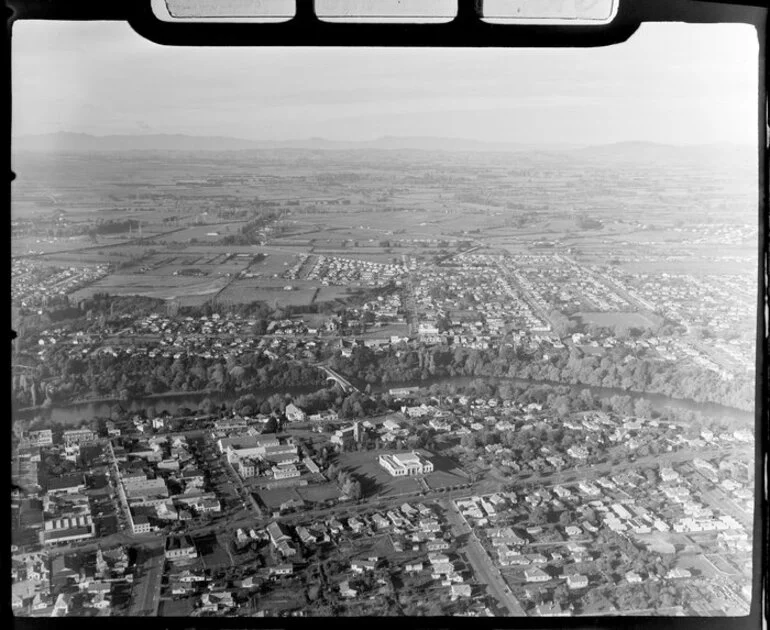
371	331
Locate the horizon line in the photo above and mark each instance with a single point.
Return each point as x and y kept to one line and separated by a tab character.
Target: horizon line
530	143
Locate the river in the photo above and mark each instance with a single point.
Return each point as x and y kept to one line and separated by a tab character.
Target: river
77	413
659	402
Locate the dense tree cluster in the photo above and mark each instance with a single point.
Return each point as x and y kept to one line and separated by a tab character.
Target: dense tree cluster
114	226
135	376
350	486
252	232
116	306
618	368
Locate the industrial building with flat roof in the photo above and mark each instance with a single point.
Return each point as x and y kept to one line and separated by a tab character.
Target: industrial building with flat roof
67	529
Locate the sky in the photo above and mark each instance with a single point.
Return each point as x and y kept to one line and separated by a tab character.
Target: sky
673	83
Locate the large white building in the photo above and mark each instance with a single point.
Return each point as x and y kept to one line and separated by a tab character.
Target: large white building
406	464
294	413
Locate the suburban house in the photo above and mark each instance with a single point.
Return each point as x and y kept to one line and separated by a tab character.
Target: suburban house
577	581
536	575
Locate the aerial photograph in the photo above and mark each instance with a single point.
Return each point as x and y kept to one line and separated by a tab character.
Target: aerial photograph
383	332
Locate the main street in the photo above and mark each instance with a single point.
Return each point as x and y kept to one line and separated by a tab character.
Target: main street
145	594
483	567
124	514
247	498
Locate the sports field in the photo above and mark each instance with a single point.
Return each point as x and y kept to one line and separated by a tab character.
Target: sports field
611	319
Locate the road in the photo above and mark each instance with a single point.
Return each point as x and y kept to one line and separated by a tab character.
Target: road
104	245
524	294
145	595
328	512
717	498
249	502
115	480
346	385
547	480
483	566
584	473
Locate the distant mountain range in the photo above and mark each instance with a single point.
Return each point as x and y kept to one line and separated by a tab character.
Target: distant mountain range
66	142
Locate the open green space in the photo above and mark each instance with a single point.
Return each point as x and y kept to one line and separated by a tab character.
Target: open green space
623	319
319	493
375	480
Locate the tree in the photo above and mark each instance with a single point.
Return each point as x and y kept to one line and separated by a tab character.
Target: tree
538	516
332	471
206	406
353	489
643	408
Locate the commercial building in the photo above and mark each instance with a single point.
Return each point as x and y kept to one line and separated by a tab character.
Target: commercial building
180	548
68	529
66	484
44	437
141	524
145	490
77	436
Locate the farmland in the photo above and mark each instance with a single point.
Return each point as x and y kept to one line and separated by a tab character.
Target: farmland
162	287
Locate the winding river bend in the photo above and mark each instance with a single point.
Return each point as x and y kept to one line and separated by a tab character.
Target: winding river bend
76	413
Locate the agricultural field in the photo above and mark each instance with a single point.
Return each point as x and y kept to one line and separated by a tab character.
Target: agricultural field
36	245
161	287
211	233
255	289
706	266
329	294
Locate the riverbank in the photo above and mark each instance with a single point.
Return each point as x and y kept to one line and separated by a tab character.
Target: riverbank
75	413
115	400
657	400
